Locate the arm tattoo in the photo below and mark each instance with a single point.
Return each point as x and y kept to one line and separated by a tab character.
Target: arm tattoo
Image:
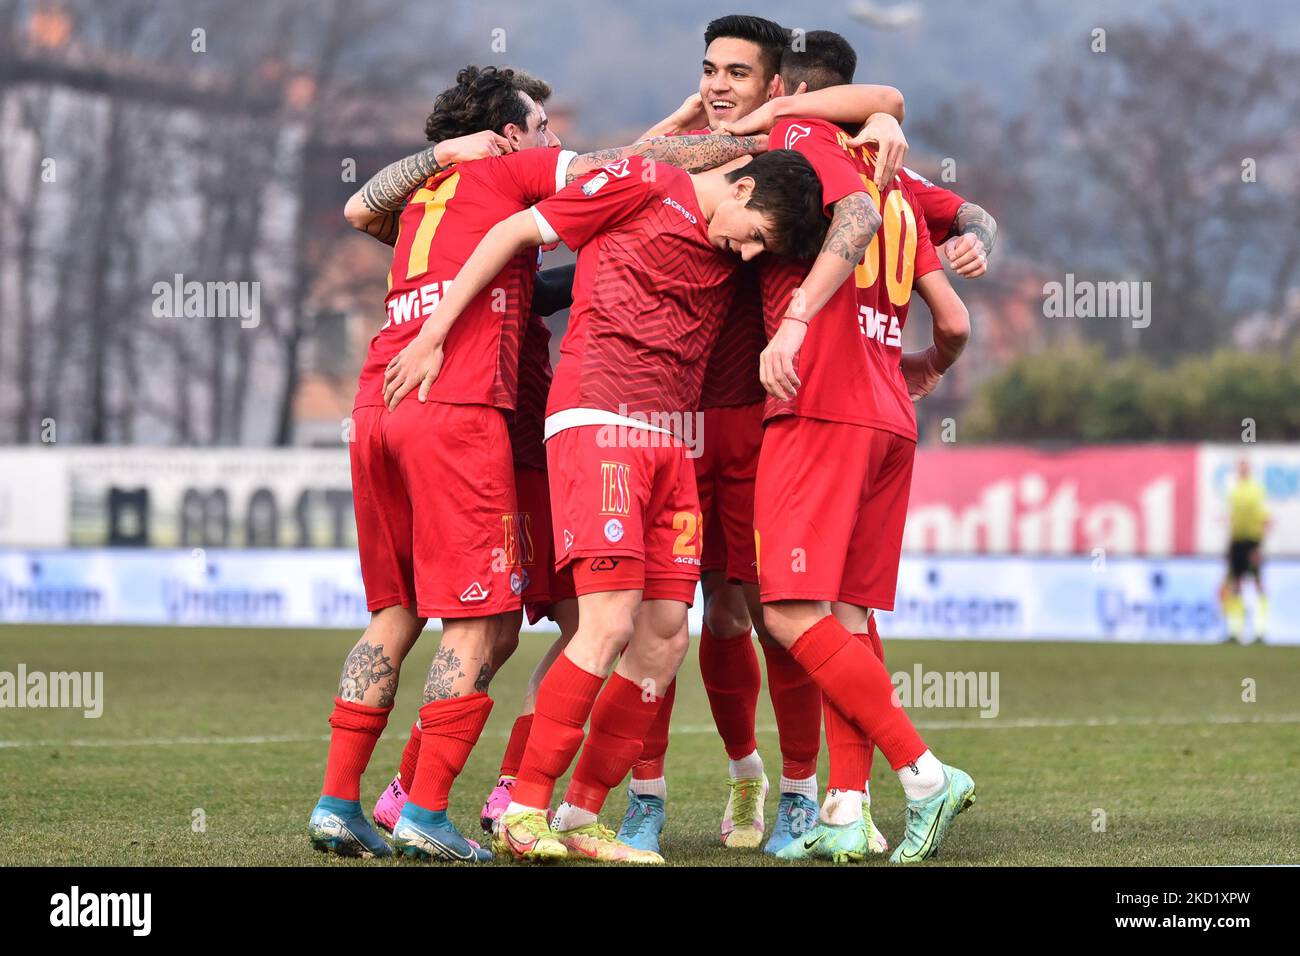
483	679
691	153
975	220
855	222
368	666
386	191
385	228
443	673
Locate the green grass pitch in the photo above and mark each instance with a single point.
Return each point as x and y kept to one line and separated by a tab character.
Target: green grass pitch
232	723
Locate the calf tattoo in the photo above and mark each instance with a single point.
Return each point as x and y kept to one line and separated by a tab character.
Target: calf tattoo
368	666
443	673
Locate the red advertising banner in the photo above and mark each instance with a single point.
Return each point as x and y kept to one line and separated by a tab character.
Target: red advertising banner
1124	500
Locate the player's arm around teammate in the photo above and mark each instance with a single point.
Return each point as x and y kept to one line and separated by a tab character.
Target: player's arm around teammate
419	363
951	330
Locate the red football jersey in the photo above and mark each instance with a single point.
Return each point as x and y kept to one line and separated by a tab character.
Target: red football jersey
731	375
526	428
939	205
849	362
456	207
649	292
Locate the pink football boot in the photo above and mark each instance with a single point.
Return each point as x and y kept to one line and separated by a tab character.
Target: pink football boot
496	804
389	806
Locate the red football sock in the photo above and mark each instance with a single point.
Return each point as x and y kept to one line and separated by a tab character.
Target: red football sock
356	730
878	649
650	765
564	701
410	757
619	724
797	702
729	667
449	729
858	684
849	748
515	747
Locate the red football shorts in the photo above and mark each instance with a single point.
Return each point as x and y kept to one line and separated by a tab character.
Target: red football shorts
637	502
542	584
829	507
724	476
434	493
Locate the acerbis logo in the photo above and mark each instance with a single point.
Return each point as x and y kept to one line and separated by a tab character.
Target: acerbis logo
604	564
617	170
473	594
568	539
674	204
613	531
796	133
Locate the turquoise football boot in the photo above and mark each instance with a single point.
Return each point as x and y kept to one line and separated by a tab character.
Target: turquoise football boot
430	835
795	816
928	820
643	822
340	827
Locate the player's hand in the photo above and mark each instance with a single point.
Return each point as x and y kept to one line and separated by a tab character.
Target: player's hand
690	115
967	256
466	149
776	365
891	145
417	364
920	374
760	120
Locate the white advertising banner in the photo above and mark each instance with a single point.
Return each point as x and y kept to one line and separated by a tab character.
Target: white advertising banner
988	598
176	497
34	498
1146	501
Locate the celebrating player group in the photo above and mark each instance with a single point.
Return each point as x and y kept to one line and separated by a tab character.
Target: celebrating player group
732	406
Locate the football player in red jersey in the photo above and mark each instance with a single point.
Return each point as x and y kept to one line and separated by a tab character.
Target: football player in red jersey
651	288
966	233
739	74
741	90
421	558
544	592
829	539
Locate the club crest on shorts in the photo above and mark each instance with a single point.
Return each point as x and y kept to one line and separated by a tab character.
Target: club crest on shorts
519	581
473	594
613	531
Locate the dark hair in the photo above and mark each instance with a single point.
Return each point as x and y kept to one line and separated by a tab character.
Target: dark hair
770	37
827	59
788	192
483	98
537	89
